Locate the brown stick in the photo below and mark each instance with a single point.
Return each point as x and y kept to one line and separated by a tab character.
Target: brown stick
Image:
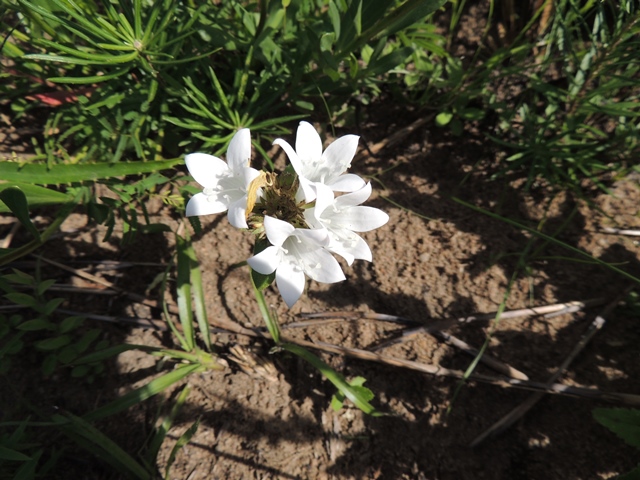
559	389
101	281
488	360
555	388
509	419
400	135
546	310
618	231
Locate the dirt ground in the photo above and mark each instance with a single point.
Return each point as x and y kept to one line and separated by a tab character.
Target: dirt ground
436	259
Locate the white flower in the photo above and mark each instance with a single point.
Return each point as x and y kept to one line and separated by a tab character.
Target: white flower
225	183
293	253
342	217
314	166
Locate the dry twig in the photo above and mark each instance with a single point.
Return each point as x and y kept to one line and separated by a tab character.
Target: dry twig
505	422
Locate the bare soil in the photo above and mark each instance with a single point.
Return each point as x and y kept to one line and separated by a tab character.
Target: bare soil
435	260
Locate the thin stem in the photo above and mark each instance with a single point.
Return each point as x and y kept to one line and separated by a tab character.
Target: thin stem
268	315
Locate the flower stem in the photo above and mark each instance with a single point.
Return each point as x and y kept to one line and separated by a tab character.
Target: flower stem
269	316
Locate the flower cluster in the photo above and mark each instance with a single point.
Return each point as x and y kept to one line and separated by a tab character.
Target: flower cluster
304	215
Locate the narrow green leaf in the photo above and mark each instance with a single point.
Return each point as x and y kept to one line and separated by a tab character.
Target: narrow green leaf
632	475
356	394
13	455
36	196
89	79
143	393
549	239
182	441
92	439
183	288
163	429
111	352
16	201
624	422
41	174
199	298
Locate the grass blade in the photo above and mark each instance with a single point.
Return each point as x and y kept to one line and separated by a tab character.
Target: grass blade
143	393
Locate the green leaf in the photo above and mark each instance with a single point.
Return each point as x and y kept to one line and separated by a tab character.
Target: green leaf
53	343
163	429
360	396
50	306
49	364
22	299
183	288
443	118
182	441
199	298
143	393
632	475
41	174
70	323
13	455
87	339
36	325
96	442
388	62
111	352
357	383
471	114
36	196
44	285
16	201
625	423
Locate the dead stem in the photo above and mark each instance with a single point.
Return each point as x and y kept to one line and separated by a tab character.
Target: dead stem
619	231
505	422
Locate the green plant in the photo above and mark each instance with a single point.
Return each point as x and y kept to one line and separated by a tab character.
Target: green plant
625	423
59	338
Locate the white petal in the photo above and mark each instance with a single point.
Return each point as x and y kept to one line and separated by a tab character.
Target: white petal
350	246
200	204
316	237
308	188
361	250
355	198
205	168
239	151
266	261
324	198
293	156
290	281
358	248
338	156
248	175
308	144
348	182
322	267
237	213
361	219
277	230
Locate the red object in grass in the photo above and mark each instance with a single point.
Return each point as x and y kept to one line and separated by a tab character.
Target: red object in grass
58	98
